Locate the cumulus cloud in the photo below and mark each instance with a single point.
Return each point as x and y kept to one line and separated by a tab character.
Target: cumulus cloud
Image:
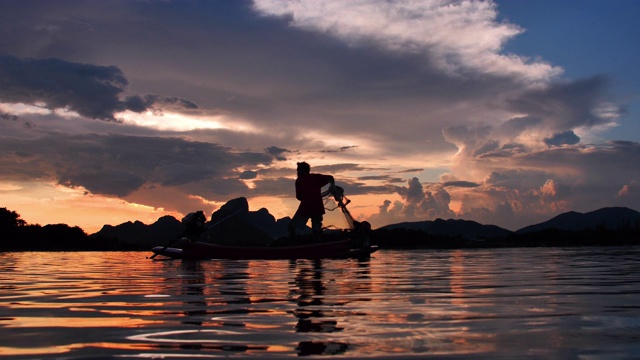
537	185
629	194
417	204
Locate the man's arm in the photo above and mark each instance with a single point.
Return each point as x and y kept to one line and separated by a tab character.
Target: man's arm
332	181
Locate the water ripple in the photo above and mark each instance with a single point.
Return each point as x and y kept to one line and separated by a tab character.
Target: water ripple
512	303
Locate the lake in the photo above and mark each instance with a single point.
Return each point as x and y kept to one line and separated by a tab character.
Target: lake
537	303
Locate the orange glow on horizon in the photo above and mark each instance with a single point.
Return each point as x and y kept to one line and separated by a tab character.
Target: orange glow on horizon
46	203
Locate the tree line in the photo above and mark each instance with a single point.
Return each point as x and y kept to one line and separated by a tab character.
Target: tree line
595	236
18	235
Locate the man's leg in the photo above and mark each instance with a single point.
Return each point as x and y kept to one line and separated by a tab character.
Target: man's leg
316	226
298	222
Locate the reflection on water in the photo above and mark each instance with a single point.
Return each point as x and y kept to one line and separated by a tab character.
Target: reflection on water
535	303
312	313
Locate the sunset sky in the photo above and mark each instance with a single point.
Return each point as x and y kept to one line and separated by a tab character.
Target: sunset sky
504	112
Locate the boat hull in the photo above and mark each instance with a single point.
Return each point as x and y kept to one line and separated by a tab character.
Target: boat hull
201	251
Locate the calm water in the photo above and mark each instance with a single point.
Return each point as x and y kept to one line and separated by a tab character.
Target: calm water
526	303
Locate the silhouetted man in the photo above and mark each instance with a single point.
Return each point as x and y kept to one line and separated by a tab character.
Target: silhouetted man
309	192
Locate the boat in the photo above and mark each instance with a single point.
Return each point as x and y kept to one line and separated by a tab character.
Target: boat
194	250
191	249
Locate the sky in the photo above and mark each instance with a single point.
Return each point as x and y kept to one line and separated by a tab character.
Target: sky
505	112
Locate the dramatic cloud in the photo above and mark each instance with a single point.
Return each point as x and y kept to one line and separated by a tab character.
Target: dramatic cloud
473	38
417	204
415	106
115	165
565	105
91	91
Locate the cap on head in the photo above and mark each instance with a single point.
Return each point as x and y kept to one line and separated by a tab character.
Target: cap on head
304	168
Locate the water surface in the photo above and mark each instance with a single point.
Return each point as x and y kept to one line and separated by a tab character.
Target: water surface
525	303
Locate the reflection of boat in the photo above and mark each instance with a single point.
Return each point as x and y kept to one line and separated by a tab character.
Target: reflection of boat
194	250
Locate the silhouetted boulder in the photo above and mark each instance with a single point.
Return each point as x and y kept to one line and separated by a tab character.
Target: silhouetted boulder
138	234
234	224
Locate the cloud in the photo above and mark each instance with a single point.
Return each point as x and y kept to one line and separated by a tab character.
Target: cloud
551	113
277	152
386	178
340	149
418	204
90	90
563	138
453	35
537	185
11	117
523	188
629	194
248	175
567	104
299	78
55	84
465	184
140	103
117	165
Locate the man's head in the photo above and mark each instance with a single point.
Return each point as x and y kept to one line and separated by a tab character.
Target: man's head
303	168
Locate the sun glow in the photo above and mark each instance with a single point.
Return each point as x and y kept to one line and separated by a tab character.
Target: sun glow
168	121
5	186
23	109
173	121
47	203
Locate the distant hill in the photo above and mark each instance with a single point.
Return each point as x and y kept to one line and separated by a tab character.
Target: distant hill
235	224
453	227
136	233
610	218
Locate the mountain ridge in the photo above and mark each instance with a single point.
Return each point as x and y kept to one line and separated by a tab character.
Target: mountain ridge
610	218
234	224
451	227
235	216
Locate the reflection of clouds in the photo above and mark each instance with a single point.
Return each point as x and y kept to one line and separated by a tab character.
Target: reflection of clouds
457	278
497	303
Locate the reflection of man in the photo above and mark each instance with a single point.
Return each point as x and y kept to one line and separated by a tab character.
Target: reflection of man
309	192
